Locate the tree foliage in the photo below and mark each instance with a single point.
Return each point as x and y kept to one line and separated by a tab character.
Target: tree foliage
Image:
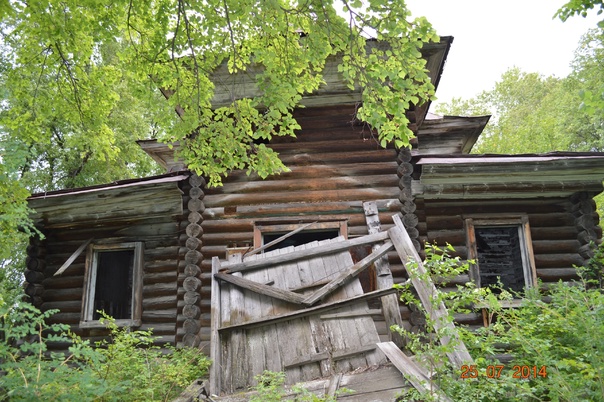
70	64
533	113
556	345
80	82
126	368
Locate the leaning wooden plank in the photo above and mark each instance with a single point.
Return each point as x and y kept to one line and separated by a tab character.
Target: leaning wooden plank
427	291
347	275
382	267
412	372
309	311
215	346
277	293
72	258
390	303
279	239
329	248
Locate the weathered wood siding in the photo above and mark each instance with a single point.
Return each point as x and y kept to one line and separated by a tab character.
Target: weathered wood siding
335	166
561	229
156	215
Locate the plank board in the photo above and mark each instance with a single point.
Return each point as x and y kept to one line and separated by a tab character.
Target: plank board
303	345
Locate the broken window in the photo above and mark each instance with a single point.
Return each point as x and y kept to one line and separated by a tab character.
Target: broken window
113	284
502	251
266	232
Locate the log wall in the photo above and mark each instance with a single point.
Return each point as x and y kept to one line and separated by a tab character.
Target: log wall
164	257
335	165
559	228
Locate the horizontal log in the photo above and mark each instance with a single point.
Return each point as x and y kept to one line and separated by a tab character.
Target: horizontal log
367	168
34	289
64	318
196	193
34	276
314	196
558	260
160	289
555	274
297	208
35	263
323	182
162	266
159	328
52	295
192	270
159	277
193	257
191	298
554	233
167	315
555	246
335	158
159	303
191	284
191	326
191	311
65	306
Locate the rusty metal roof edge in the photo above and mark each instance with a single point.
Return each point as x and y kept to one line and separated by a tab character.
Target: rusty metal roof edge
164	178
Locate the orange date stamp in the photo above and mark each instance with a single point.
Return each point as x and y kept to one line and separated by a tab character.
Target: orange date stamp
498	370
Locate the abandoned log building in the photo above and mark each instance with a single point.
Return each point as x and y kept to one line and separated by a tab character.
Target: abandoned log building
143	250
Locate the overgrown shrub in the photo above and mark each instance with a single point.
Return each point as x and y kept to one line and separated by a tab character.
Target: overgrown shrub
126	367
555	340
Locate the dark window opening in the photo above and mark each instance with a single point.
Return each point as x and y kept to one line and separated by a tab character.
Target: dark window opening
114	283
499	256
298	239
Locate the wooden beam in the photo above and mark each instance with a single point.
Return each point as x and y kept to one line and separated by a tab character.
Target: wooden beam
427	291
335	356
215	343
309	311
384	280
382	268
72	258
278	240
347	275
412	372
329	248
262	289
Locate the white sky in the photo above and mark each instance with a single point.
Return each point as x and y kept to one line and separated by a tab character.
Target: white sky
492	36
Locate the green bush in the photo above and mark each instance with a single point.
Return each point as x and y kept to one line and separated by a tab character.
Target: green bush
556	336
126	367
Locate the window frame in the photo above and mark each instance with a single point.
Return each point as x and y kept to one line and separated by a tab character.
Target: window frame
89	288
526	244
271	227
